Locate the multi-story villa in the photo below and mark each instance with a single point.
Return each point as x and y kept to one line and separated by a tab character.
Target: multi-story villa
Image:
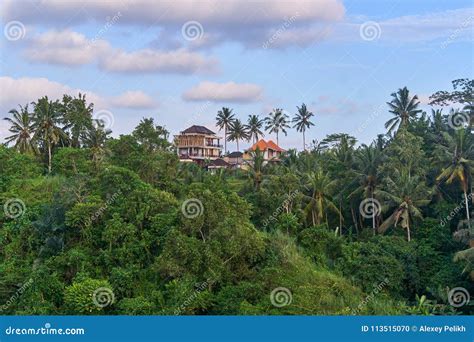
197	144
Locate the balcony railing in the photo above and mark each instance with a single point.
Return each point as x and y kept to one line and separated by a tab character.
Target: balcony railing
200	155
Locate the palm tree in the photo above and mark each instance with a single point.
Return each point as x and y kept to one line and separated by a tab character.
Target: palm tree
458	152
22	129
238	131
404	108
276	122
224	121
255	170
368	160
302	121
47	116
320	200
95	138
407	194
77	116
254	125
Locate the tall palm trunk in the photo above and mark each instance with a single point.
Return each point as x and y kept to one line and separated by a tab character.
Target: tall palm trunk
467	211
238	145
304	141
277	139
408	229
373	214
225	139
373	222
49	157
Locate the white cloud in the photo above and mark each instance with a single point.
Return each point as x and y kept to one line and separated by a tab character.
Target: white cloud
178	61
450	25
65	48
251	23
71	48
25	90
148	12
224	92
134	99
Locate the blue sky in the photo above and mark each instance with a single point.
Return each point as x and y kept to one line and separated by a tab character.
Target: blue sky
136	59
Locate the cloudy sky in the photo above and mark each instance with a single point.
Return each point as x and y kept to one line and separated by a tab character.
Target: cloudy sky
180	61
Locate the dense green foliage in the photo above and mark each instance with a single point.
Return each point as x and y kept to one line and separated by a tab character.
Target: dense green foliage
122	216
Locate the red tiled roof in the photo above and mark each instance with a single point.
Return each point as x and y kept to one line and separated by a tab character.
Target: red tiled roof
263	145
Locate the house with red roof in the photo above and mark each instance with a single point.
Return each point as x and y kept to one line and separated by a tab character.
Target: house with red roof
271	151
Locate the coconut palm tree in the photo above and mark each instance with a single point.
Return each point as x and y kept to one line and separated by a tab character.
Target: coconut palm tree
95	138
302	121
256	168
367	162
254	126
320	200
224	120
238	131
276	122
46	119
406	194
404	108
22	129
458	151
77	116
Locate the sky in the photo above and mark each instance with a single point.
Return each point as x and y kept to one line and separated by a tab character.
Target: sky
181	61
